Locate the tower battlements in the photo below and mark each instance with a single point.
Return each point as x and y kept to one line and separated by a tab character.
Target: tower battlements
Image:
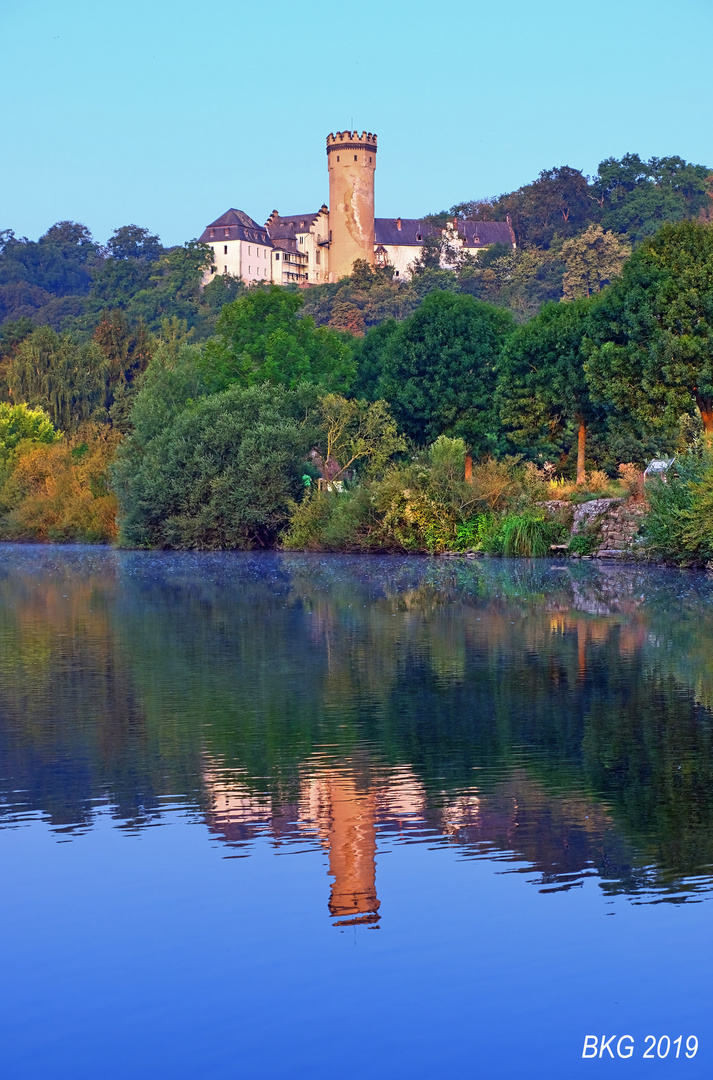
351	140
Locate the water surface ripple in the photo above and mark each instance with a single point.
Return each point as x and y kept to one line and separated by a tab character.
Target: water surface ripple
380	743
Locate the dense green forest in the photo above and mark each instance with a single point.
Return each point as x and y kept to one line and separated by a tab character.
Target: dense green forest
135	403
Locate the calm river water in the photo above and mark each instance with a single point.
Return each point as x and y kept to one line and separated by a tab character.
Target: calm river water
267	816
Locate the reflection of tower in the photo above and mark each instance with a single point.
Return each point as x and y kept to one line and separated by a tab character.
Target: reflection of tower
352	850
351	160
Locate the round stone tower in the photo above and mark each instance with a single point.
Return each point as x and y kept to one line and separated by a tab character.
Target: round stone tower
351	160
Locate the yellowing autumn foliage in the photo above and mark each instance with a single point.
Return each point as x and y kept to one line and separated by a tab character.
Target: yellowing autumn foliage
59	492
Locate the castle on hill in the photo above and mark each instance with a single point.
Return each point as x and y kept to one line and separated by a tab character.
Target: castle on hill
322	246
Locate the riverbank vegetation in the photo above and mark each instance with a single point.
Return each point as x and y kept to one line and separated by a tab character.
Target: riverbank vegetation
435	415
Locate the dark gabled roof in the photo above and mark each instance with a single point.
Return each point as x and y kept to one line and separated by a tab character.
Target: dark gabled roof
239	227
236	217
484	233
386	231
476	233
298	222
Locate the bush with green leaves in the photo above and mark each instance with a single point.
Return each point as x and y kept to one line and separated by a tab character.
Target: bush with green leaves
18	424
335	521
221	473
427	505
584	543
679	524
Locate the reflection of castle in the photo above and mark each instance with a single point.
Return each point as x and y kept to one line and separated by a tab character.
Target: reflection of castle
347	819
322	245
563	838
334	808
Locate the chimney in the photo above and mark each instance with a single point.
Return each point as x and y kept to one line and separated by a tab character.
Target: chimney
398	223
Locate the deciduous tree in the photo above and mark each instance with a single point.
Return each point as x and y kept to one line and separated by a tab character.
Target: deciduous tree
651	331
65	378
592	260
260	338
543	393
439	370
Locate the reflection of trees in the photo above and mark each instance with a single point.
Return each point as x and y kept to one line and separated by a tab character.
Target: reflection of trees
560	714
71	731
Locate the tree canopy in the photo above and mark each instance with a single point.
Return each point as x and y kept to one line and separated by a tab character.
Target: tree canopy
65	378
18	424
259	338
439	369
543	394
651	335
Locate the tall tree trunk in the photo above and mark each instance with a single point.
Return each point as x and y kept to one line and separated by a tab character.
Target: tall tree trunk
705	407
581	442
468	467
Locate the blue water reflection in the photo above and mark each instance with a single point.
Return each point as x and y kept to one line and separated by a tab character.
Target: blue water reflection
268	815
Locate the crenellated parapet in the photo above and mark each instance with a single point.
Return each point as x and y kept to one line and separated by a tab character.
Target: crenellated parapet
351	140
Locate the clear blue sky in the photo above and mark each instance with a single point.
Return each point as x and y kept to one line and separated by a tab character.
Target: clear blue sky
164	113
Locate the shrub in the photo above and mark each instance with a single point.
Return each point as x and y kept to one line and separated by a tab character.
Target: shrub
18	424
334	521
59	491
674	528
473	535
584	543
632	477
221	474
597	481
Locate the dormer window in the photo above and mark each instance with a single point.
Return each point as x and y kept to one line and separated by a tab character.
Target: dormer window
211	233
418	236
227	232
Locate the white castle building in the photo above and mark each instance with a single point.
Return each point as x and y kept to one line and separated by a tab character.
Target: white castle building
316	247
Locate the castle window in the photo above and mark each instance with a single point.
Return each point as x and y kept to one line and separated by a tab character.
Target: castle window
225	249
396	273
355	157
225	269
337	157
249	252
317	258
250	269
214	269
277	256
369	159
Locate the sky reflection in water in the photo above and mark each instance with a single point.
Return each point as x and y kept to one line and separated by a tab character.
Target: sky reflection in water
480	760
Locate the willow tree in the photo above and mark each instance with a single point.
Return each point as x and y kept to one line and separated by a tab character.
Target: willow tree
65	378
543	395
651	349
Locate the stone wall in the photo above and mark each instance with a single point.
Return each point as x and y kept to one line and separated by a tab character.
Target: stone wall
616	521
